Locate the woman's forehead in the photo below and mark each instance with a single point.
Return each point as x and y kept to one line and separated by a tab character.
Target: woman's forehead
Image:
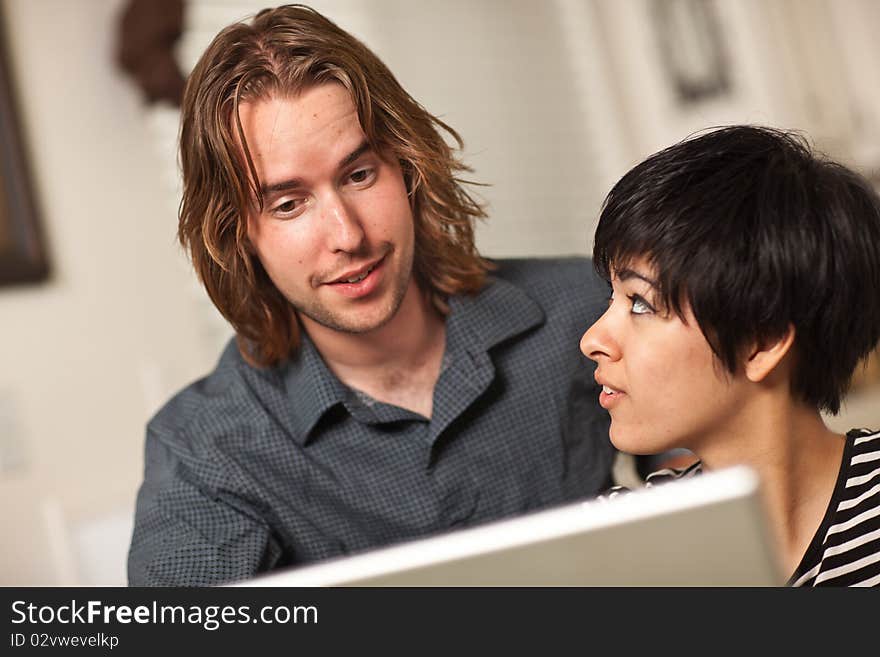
634	266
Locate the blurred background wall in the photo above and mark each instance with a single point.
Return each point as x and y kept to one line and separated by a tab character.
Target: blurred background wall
555	100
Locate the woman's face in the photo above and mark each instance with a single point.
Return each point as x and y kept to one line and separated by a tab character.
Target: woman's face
662	385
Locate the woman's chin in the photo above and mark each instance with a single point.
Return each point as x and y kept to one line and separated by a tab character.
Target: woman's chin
618	438
628	442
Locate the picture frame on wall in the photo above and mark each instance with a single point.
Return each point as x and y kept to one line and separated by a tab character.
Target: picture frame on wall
22	248
692	49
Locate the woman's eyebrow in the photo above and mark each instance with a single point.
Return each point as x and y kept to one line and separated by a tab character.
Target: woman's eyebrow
627	274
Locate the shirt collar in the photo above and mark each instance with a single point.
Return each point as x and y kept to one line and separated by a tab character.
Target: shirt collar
474	325
312	389
500	311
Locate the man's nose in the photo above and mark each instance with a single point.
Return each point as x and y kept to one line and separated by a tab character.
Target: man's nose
344	229
598	342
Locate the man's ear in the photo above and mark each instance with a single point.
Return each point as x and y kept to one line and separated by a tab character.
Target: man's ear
246	242
766	355
249	246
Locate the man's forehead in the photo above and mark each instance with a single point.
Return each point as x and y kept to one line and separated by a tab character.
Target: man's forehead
322	118
326	101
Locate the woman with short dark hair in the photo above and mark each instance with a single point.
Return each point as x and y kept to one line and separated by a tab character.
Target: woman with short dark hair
745	276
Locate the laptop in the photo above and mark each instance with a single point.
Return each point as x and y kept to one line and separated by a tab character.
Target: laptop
708	530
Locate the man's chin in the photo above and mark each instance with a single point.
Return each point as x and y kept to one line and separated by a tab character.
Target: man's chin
358	317
360	323
359	328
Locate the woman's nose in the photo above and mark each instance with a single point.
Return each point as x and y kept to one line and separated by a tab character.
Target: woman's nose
598	341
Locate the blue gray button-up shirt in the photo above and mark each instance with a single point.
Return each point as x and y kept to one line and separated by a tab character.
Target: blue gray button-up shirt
253	469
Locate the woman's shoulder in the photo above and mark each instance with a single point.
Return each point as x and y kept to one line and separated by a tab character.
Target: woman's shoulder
656	478
846	545
862	452
672	474
863	436
861	458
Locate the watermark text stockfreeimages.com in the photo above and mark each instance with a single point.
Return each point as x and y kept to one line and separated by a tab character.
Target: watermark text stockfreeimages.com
210	617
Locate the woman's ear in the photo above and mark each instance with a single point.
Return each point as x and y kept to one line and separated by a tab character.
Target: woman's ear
766	355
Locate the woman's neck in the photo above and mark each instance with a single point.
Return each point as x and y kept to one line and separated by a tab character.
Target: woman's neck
797	459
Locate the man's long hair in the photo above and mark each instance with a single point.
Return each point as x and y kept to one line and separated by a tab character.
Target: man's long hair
283	51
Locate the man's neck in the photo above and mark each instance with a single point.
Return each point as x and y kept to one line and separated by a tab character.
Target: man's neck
398	363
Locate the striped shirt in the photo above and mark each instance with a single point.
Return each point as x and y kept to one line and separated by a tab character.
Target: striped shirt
845	550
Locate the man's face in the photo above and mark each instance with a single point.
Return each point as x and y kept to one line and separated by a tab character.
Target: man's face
336	231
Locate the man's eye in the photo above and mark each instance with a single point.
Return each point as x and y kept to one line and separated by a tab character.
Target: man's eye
639	305
361	176
287	208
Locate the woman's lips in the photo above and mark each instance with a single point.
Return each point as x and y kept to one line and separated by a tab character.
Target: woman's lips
609	397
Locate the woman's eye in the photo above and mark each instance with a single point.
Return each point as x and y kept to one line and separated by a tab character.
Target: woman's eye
640	306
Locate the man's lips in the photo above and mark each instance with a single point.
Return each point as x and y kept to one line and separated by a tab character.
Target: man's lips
359	283
355	275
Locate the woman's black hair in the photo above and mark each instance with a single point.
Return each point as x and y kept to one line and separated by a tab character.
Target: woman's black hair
756	232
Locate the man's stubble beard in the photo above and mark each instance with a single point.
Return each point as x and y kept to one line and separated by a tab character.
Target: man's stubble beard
324	316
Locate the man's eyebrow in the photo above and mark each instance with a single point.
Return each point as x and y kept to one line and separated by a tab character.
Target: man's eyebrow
355	154
627	274
283	186
295	183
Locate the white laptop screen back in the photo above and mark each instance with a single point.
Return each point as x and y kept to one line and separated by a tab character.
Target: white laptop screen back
706	531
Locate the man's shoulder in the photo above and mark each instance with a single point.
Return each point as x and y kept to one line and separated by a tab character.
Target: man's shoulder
209	400
571	281
525	270
540	273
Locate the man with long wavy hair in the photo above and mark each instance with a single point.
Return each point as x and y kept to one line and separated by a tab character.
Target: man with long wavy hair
386	381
